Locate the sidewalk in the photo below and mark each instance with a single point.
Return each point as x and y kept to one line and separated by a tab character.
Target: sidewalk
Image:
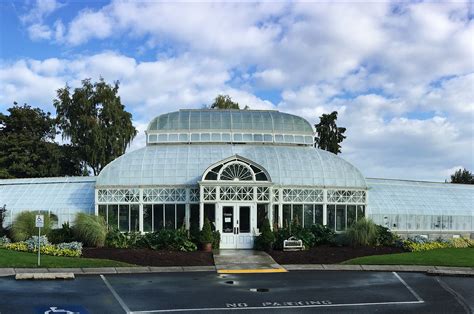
430	270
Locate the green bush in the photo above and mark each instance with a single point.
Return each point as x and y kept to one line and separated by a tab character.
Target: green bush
303	234
61	235
264	242
116	239
362	233
24	225
216	239
322	234
167	239
281	234
385	237
205	236
91	230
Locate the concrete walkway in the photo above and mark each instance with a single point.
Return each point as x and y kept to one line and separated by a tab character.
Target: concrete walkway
245	261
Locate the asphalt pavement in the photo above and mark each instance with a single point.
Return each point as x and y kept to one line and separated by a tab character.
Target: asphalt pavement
295	291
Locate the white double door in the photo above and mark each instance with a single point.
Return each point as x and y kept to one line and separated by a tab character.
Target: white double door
237	223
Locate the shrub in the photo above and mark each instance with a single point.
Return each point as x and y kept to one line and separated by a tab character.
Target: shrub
322	234
168	239
116	239
24	225
362	233
216	239
32	242
457	243
91	230
303	234
61	235
265	240
281	234
205	236
385	237
4	240
426	246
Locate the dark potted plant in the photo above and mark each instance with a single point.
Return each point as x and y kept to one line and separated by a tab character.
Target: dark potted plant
205	236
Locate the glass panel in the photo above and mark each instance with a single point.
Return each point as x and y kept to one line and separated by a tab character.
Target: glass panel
180	213
275	215
340	217
318	214
112	212
262	214
170	221
157	217
124	218
360	211
210	213
286	215
194	216
134	218
244	219
351	215
298	214
227	219
331	216
308	215
147	217
103	211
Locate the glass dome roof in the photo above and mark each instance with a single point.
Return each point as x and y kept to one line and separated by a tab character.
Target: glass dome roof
185	164
230	126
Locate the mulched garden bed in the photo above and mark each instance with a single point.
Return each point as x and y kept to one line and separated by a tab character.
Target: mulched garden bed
330	254
147	257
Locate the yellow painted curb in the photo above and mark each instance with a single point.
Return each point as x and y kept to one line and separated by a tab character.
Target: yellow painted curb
252	271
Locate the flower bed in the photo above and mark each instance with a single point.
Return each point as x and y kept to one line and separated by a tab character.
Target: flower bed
72	249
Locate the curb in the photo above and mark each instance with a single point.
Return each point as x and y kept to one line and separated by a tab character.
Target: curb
429	270
4	272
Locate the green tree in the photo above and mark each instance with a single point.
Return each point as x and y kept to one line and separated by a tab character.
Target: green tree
329	135
225	102
462	176
27	146
95	121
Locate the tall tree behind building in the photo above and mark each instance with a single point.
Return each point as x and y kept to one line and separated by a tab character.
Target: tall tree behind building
462	176
329	135
225	102
95	121
28	149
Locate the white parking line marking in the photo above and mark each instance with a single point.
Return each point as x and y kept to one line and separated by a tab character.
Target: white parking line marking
276	307
409	288
117	297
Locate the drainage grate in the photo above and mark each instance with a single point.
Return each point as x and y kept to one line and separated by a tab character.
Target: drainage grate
230	282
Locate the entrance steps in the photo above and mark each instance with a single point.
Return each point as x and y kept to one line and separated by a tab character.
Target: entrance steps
245	261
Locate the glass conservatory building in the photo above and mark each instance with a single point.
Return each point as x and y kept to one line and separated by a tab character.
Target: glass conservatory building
237	167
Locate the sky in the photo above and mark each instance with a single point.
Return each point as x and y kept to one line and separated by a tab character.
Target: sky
400	74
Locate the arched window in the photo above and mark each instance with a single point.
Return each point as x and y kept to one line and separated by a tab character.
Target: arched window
236	169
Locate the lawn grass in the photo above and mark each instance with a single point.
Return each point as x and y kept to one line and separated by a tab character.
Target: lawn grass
440	257
16	259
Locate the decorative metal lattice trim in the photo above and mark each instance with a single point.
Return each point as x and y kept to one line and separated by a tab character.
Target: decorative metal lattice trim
164	195
276	195
263	193
194	195
236	193
236	172
209	193
346	196
303	195
118	195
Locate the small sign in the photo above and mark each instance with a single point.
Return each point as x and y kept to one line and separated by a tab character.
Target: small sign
39	221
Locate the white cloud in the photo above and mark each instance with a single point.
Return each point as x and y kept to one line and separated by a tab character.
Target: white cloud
39	32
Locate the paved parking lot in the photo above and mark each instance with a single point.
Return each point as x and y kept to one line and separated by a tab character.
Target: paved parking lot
295	291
